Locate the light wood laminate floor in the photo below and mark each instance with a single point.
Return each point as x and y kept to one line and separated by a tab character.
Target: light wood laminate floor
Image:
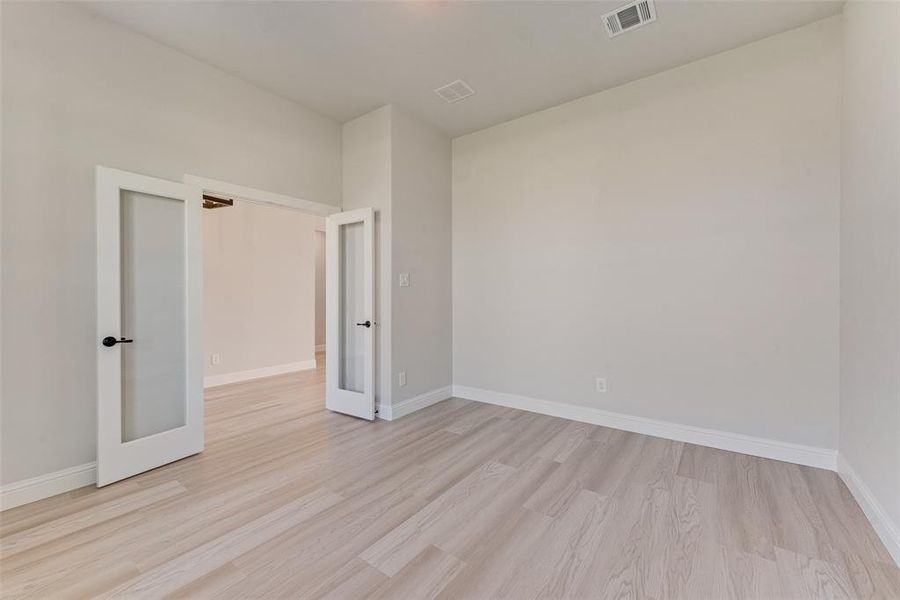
460	500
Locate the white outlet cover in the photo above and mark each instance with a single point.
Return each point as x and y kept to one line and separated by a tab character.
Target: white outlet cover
215	359
402	378
601	384
404	279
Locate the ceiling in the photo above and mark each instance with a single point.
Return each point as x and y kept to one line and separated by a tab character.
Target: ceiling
344	59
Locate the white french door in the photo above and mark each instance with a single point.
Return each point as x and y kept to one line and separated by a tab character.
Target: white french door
350	313
149	328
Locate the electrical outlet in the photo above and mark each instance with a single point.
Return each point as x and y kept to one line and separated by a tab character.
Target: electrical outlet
215	359
601	385
402	378
404	279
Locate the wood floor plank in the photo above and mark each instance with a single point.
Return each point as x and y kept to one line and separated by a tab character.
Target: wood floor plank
527	437
568	548
556	494
490	565
847	525
750	576
699	462
620	454
457	501
465	538
806	577
302	561
216	583
871	579
640	536
355	579
41	534
477	413
694	560
203	560
12	521
449	510
796	523
564	442
425	576
745	523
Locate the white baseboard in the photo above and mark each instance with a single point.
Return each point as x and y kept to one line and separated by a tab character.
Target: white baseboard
44	486
822	458
887	530
214	380
320	348
389	412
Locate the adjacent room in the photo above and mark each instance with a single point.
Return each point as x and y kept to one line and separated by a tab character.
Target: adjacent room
444	299
263	290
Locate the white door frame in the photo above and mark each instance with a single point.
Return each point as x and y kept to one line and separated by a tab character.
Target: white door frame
117	459
249	194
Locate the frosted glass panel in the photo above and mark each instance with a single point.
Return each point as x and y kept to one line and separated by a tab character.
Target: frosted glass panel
153	315
352	309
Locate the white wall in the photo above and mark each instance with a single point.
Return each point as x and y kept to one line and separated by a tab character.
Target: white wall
677	235
870	257
401	167
422	315
259	293
320	288
79	91
367	183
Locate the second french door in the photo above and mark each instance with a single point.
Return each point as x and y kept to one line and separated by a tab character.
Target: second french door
350	313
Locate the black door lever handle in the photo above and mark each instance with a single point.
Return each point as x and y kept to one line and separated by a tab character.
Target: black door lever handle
365	324
109	341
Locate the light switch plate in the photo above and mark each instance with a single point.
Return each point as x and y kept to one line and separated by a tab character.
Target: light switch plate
404	279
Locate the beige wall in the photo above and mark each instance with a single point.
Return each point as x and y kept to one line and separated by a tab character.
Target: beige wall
870	253
79	91
401	167
367	183
677	235
259	294
422	315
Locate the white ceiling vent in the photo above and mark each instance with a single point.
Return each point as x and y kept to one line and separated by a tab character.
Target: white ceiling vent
454	92
631	16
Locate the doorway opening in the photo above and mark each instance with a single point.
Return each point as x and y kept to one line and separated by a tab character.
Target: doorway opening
260	291
347	266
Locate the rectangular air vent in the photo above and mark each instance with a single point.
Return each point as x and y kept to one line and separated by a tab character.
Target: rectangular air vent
630	16
454	92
